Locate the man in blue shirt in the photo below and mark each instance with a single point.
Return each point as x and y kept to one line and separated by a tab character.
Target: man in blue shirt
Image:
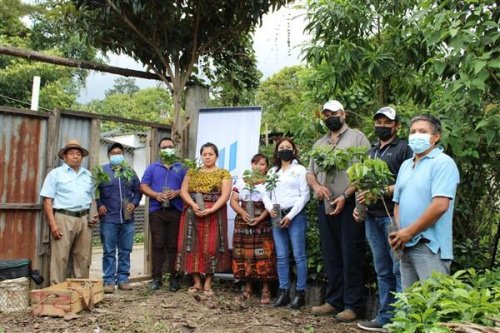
161	182
425	196
117	201
67	196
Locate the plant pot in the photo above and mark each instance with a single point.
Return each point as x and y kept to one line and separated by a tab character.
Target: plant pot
250	209
360	209
198	198
126	214
329	208
166	203
277	219
393	227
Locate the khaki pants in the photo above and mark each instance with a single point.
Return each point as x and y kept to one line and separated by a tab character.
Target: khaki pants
75	243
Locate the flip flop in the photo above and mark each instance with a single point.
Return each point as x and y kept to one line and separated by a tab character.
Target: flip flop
193	290
208	292
244	296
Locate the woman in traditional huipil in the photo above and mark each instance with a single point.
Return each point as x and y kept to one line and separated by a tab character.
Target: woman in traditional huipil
202	244
253	245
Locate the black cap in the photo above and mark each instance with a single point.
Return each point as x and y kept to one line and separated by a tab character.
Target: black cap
115	145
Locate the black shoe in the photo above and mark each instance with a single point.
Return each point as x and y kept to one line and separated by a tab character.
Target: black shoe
156	284
283	298
299	300
174	284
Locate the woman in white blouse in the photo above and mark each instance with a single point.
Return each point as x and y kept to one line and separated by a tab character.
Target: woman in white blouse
292	193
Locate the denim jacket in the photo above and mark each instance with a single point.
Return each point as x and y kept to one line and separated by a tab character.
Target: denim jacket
113	192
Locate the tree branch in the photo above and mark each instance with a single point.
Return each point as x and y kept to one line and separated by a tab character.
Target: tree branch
82	64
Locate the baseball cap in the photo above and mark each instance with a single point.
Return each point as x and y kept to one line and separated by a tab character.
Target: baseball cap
333	106
387	111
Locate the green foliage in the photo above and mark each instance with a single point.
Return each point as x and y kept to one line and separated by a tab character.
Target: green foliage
252	178
371	175
123	85
464	297
59	85
99	176
150	104
271	181
330	159
233	74
167	36
422	56
123	171
313	243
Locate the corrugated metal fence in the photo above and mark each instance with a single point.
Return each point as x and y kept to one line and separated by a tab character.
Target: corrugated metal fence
29	143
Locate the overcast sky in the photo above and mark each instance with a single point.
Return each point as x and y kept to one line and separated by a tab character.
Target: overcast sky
270	43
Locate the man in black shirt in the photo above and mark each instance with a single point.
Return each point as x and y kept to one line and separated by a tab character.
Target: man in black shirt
394	152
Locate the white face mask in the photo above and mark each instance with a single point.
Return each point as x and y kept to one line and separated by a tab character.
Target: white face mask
419	142
169	151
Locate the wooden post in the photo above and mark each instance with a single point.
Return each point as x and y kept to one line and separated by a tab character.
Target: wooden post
196	98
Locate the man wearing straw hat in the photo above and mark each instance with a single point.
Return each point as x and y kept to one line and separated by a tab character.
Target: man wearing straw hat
67	196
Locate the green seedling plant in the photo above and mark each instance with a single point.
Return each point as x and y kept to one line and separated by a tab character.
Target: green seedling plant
466	297
252	178
124	171
99	176
372	176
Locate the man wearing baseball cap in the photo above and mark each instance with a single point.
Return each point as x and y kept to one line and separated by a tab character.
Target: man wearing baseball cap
394	151
67	196
342	240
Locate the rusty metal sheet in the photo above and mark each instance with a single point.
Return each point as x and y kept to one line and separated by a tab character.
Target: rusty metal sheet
22	166
75	128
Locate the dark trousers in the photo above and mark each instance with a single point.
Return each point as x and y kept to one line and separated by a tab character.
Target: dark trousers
164	226
343	250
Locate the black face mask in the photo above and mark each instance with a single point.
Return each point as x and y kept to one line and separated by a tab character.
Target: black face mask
334	123
285	155
383	133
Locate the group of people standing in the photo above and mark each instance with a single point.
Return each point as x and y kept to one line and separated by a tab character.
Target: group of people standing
188	217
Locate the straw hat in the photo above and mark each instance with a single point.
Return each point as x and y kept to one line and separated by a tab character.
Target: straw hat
72	144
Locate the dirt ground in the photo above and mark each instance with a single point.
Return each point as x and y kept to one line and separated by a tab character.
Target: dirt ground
140	310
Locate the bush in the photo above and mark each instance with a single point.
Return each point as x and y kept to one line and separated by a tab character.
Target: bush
463	297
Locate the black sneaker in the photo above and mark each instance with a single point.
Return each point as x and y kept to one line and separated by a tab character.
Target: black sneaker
156	284
372	326
174	285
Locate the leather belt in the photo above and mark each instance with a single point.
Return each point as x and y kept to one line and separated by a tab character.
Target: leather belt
79	213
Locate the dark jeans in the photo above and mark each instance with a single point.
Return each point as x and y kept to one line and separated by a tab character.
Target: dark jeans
164	226
343	249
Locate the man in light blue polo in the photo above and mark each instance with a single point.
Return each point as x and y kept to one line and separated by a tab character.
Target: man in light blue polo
424	197
67	196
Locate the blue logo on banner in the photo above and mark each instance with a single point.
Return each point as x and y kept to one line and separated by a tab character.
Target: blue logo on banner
233	153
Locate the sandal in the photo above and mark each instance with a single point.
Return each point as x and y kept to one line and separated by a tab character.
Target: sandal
265	298
193	290
245	296
208	292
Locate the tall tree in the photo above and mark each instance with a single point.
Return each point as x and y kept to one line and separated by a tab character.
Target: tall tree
123	85
167	36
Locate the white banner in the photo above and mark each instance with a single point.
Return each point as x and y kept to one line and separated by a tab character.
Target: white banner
236	132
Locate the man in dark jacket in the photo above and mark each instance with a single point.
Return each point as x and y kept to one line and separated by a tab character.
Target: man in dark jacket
118	199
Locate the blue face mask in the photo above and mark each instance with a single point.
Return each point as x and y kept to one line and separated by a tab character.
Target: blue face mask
116	159
419	142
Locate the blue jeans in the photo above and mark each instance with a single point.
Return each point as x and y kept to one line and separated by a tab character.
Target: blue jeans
296	235
419	262
386	265
116	237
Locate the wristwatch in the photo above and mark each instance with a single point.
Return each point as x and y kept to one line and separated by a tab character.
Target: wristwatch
345	195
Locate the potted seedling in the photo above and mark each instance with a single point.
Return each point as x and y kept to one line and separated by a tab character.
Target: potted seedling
167	158
271	181
99	176
124	172
251	178
330	160
371	176
195	166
